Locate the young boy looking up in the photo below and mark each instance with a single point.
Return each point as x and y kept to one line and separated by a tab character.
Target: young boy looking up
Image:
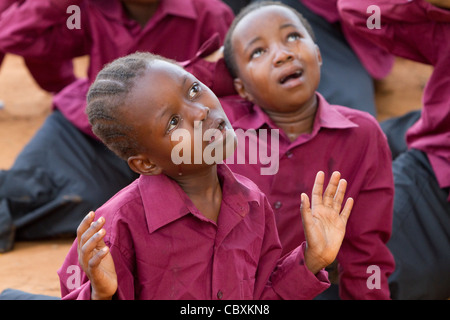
188	231
49	192
276	67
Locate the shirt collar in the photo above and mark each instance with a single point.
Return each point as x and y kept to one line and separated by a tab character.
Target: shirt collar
164	201
327	116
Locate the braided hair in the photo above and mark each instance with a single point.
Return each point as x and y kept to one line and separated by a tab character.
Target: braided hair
107	96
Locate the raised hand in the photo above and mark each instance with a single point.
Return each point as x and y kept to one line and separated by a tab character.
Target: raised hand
323	223
95	258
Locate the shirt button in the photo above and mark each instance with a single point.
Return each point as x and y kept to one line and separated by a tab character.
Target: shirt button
289	154
277	205
220	295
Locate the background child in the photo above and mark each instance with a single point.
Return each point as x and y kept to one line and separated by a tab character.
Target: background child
50	75
188	231
418	30
277	68
350	62
55	180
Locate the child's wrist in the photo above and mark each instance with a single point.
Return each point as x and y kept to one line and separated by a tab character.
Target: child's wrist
313	262
96	296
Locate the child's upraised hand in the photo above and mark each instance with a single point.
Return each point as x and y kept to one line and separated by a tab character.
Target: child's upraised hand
95	258
323	223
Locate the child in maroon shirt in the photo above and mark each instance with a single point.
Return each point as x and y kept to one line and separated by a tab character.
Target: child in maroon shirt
276	67
417	30
54	181
190	230
50	75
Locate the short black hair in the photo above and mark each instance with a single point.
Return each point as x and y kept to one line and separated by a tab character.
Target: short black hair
228	48
108	94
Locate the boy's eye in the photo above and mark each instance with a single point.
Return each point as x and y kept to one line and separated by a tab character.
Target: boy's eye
194	90
293	37
256	53
173	123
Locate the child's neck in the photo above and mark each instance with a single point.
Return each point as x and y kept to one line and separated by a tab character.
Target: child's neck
205	192
141	13
297	122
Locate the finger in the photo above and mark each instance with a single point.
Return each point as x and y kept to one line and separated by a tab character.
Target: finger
84	225
98	257
330	191
94	242
305	210
93	228
316	197
340	193
347	209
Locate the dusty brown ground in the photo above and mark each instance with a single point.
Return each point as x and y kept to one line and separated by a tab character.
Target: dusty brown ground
32	266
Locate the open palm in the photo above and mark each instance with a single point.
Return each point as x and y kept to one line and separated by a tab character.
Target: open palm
324	224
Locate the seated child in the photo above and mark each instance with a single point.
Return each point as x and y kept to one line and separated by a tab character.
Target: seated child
276	67
55	181
49	74
417	30
188	231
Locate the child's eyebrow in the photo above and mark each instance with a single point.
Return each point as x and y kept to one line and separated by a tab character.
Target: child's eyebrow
163	112
298	27
283	26
287	25
185	78
248	45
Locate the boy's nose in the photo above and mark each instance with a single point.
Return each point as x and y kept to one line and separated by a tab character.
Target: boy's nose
200	113
281	56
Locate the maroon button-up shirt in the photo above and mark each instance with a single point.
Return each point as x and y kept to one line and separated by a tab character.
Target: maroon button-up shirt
50	75
164	248
418	31
342	139
377	61
38	29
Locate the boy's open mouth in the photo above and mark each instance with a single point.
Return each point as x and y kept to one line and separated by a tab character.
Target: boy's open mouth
295	75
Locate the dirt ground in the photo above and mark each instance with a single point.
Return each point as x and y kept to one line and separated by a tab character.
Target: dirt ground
32	266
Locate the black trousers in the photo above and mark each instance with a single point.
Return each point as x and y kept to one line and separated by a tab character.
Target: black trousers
59	176
420	240
14	294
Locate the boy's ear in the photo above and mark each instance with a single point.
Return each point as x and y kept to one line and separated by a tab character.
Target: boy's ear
143	165
240	89
319	55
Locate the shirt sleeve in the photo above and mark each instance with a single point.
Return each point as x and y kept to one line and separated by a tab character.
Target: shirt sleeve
38	29
214	75
369	226
287	278
6	3
409	29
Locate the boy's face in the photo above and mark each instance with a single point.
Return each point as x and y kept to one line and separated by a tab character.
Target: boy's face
166	99
278	63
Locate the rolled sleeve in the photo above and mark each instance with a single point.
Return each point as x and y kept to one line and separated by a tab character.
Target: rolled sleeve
293	280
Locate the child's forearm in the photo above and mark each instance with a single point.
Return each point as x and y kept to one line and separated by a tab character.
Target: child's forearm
37	29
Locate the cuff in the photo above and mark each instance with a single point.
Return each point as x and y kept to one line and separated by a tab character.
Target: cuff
81	293
294	280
